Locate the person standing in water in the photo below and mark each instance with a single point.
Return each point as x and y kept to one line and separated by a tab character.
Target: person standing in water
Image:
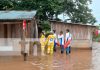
55	41
50	43
42	41
61	41
68	38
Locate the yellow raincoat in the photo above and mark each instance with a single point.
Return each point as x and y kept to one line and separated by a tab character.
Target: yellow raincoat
42	41
50	44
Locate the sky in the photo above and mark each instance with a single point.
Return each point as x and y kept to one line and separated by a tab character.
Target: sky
95	6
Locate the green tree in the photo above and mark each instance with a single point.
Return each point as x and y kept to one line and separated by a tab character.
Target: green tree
5	4
77	10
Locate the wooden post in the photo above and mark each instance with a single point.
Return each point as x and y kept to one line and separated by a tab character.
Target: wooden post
23	41
51	26
36	30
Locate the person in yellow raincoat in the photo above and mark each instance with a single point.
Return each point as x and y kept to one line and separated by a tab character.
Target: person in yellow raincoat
42	41
50	43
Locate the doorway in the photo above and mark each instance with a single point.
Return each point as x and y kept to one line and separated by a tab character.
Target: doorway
5	31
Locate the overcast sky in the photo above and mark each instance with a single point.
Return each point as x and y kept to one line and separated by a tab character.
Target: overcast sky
95	6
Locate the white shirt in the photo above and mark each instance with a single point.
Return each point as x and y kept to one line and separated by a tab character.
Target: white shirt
61	39
68	37
55	37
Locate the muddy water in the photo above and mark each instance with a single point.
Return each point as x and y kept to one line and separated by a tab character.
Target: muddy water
77	60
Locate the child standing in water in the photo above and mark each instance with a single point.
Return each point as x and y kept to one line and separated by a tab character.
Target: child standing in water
42	41
50	43
61	41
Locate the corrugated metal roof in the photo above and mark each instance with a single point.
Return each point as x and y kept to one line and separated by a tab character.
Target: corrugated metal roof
17	15
73	23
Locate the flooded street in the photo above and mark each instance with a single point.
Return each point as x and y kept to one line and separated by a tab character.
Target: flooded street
77	60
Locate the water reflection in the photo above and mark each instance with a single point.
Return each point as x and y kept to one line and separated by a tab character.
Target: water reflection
77	60
96	57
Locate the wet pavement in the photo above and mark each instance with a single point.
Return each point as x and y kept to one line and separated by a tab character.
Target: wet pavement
77	60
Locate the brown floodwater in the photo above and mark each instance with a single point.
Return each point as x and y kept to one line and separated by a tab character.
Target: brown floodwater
77	60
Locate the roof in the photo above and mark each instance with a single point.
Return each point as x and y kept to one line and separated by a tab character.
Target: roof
73	23
17	15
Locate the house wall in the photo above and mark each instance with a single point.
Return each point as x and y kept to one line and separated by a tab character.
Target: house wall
15	33
12	30
1	31
81	34
15	29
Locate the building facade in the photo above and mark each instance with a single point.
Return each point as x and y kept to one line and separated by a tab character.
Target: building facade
81	33
11	31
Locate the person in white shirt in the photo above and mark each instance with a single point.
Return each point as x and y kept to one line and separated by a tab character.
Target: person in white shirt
61	41
55	41
68	37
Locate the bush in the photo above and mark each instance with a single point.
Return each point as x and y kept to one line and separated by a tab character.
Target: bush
96	38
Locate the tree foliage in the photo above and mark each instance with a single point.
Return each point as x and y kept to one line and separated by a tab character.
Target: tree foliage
77	10
5	4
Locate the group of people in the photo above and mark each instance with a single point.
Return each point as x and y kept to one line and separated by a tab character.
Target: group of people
53	40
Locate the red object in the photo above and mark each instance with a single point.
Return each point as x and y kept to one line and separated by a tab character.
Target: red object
67	43
58	44
64	41
24	24
96	33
